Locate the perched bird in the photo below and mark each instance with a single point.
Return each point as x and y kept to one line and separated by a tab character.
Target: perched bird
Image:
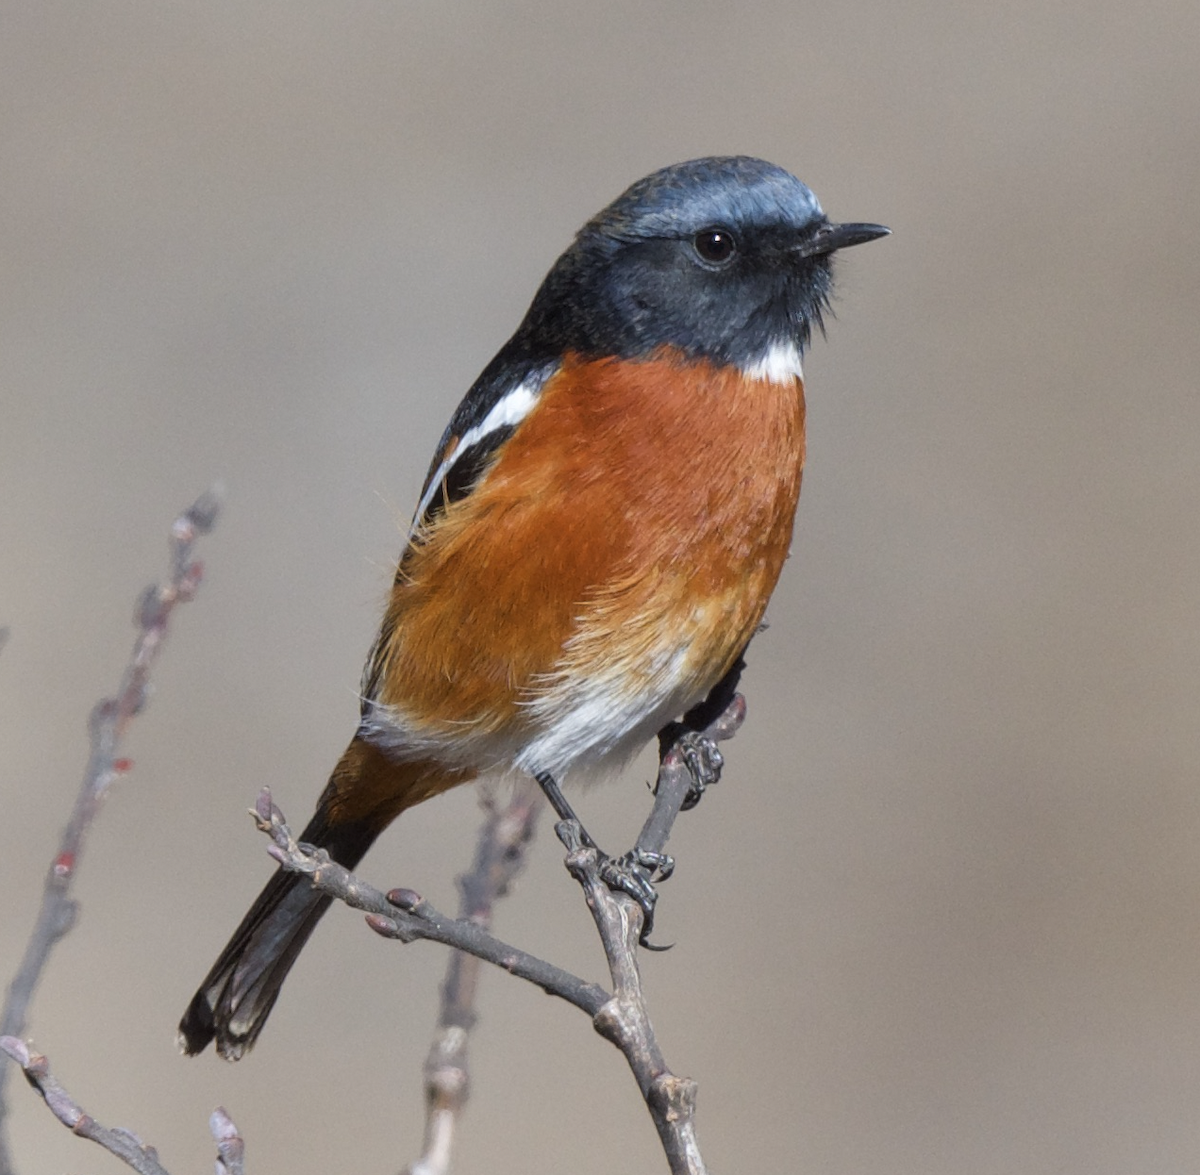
603	522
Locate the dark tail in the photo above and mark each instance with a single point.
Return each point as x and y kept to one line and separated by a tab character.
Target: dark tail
365	794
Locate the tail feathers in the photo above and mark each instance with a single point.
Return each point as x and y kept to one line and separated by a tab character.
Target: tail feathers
239	992
365	793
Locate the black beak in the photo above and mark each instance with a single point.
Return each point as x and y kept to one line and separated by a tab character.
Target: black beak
830	237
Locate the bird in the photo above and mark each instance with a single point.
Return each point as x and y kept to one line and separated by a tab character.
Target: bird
601	527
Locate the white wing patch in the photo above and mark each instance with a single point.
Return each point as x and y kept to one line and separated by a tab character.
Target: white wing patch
507	412
779	364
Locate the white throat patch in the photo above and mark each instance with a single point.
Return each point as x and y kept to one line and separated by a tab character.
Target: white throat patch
779	364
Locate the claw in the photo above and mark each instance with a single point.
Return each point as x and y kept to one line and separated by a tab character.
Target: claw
633	874
661	863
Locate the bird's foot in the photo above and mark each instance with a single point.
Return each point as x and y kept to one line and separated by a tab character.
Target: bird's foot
634	873
703	760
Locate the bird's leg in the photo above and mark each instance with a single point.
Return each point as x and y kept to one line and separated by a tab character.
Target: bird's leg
558	802
635	872
632	873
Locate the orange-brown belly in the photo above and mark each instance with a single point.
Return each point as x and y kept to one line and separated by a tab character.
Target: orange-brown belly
604	574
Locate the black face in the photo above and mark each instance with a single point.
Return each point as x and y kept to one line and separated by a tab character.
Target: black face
718	293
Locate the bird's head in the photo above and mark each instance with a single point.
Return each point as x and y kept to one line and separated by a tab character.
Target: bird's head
725	258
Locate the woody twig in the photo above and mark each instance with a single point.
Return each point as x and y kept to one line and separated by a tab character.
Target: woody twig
109	721
124	1144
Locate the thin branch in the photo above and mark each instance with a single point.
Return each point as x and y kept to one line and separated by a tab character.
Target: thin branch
122	1143
403	914
625	1019
107	725
126	1145
499	857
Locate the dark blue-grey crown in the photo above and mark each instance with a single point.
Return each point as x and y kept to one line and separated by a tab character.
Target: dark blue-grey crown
731	190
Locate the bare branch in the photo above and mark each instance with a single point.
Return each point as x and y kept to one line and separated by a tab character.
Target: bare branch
107	725
625	1019
403	914
122	1143
126	1145
499	858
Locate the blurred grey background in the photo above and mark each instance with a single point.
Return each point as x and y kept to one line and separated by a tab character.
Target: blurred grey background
941	915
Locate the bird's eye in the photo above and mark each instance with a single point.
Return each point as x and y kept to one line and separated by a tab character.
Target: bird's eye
714	245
